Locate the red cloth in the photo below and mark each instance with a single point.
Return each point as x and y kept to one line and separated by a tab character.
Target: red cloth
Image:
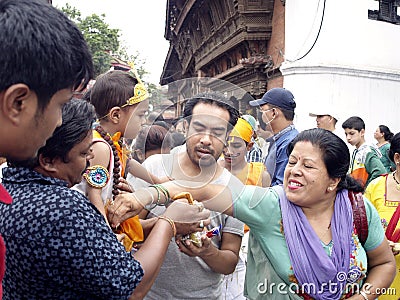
4	195
5	198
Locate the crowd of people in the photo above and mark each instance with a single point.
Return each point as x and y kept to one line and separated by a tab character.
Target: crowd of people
99	200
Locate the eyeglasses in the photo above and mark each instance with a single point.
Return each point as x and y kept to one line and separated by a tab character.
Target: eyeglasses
263	111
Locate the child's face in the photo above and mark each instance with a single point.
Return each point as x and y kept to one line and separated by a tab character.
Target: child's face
135	119
354	137
236	150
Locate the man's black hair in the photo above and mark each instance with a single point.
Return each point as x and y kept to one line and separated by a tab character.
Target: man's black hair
354	123
42	48
213	98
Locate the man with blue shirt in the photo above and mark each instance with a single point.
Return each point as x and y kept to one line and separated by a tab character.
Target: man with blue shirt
276	108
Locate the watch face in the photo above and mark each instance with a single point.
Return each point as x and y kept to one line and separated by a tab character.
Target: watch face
96	176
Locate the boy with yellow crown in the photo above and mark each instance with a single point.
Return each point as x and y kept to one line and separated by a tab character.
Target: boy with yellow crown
121	102
250	173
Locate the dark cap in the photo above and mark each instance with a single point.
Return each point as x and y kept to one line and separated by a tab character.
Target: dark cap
279	97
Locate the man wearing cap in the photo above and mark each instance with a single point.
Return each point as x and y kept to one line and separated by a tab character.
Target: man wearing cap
325	120
276	108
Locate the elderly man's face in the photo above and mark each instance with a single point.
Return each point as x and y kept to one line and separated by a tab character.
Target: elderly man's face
324	122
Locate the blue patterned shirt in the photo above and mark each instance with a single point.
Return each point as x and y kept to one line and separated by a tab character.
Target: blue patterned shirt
58	244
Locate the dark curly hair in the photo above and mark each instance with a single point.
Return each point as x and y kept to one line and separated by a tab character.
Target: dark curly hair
214	98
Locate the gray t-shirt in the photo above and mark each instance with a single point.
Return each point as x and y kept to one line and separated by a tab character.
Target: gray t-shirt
181	276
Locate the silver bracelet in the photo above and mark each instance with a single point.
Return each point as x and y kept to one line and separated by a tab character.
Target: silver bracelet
364	295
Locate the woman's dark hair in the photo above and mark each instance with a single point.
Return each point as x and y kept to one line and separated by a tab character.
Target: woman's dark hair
394	146
78	117
152	138
335	155
387	134
213	98
111	89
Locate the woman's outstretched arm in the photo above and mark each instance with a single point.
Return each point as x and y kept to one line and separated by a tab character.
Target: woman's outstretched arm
214	197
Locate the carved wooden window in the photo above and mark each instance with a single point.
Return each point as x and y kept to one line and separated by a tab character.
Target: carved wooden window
254	3
221	10
387	11
210	19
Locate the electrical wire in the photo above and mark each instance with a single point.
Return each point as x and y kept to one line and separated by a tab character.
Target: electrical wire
316	38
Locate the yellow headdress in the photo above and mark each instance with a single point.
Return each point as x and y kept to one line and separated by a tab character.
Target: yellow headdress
242	130
140	92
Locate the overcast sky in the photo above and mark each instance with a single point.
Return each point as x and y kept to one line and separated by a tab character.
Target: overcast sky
141	24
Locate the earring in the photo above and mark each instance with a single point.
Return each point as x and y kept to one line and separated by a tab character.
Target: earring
330	189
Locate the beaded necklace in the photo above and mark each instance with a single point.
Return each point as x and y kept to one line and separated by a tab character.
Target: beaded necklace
395	180
117	164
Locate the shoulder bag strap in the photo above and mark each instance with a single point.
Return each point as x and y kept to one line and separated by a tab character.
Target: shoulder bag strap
359	215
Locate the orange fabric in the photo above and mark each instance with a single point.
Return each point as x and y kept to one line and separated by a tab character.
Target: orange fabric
361	175
122	151
133	231
252	174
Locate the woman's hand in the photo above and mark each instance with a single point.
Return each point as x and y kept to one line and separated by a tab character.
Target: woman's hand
124	186
181	212
125	206
186	228
190	249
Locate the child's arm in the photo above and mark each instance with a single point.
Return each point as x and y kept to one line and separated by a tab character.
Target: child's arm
94	196
101	157
137	170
